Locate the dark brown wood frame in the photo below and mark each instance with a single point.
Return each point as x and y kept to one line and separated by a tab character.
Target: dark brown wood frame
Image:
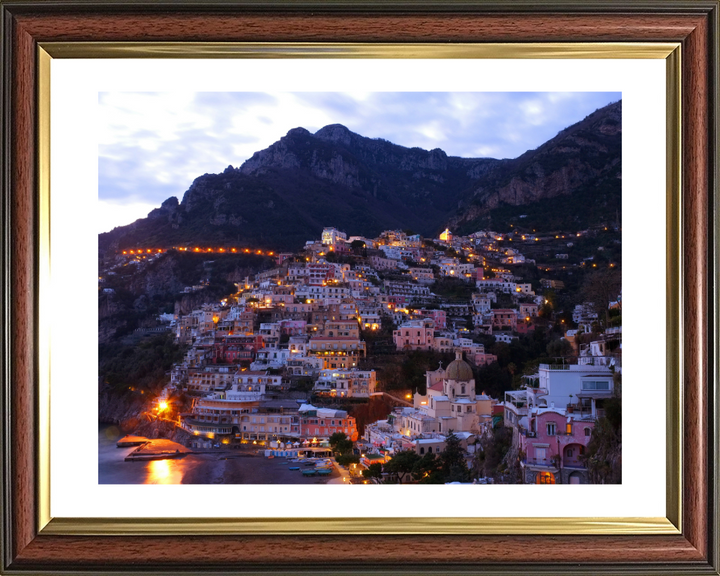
694	23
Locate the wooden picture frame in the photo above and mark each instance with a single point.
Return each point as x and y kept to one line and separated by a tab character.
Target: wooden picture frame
30	545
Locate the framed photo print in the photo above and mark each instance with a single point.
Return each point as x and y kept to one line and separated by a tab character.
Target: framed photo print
437	280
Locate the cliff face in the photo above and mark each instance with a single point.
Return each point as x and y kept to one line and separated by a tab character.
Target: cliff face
285	194
120	409
582	161
575	156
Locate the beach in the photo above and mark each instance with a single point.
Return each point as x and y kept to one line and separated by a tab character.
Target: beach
216	466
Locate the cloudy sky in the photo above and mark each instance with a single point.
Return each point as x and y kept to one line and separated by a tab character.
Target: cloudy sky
153	145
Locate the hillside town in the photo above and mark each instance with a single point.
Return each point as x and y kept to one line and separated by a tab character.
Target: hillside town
284	364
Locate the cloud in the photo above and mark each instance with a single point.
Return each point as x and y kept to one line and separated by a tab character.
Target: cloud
111	214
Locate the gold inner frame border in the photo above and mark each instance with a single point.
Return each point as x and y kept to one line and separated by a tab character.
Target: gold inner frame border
671	524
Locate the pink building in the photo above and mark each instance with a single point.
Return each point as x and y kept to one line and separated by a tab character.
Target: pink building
528	310
504	319
554	442
439	317
236	349
415	335
319	272
525	324
293	327
481	359
321	423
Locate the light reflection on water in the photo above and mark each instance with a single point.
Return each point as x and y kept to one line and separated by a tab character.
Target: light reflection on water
165	472
112	468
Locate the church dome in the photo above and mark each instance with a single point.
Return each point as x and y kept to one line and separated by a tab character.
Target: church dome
458	369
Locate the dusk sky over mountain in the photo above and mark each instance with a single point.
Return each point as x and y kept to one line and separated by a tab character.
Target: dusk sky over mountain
153	145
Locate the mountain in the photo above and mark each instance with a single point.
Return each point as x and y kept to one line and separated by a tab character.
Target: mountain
285	194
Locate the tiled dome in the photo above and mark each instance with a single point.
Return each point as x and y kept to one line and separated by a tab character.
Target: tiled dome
458	369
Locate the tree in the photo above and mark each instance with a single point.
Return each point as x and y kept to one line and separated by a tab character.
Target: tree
491	452
402	464
373	471
601	288
359	248
603	456
559	348
347	459
454	467
340	443
428	470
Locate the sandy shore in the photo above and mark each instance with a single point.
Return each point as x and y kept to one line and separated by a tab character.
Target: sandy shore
215	466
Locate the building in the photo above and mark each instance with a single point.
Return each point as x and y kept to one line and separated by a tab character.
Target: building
528	310
211	378
553	418
346	383
332	236
321	423
415	335
215	415
422	275
450	403
258	380
504	319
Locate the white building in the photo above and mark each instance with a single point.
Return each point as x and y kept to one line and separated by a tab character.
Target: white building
346	383
331	236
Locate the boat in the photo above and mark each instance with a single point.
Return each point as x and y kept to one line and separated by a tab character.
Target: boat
294	468
309	472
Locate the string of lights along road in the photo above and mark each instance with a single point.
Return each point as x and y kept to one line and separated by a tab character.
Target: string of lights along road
197	249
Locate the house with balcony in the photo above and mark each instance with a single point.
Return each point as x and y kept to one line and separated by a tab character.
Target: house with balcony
270	358
415	335
504	319
553	444
346	383
321	423
304	366
211	378
219	415
344	353
553	418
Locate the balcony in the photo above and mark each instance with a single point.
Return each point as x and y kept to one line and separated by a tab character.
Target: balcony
586	411
542	462
555	366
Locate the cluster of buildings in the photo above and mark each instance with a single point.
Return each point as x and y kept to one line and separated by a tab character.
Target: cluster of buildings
551	417
451	404
303	320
